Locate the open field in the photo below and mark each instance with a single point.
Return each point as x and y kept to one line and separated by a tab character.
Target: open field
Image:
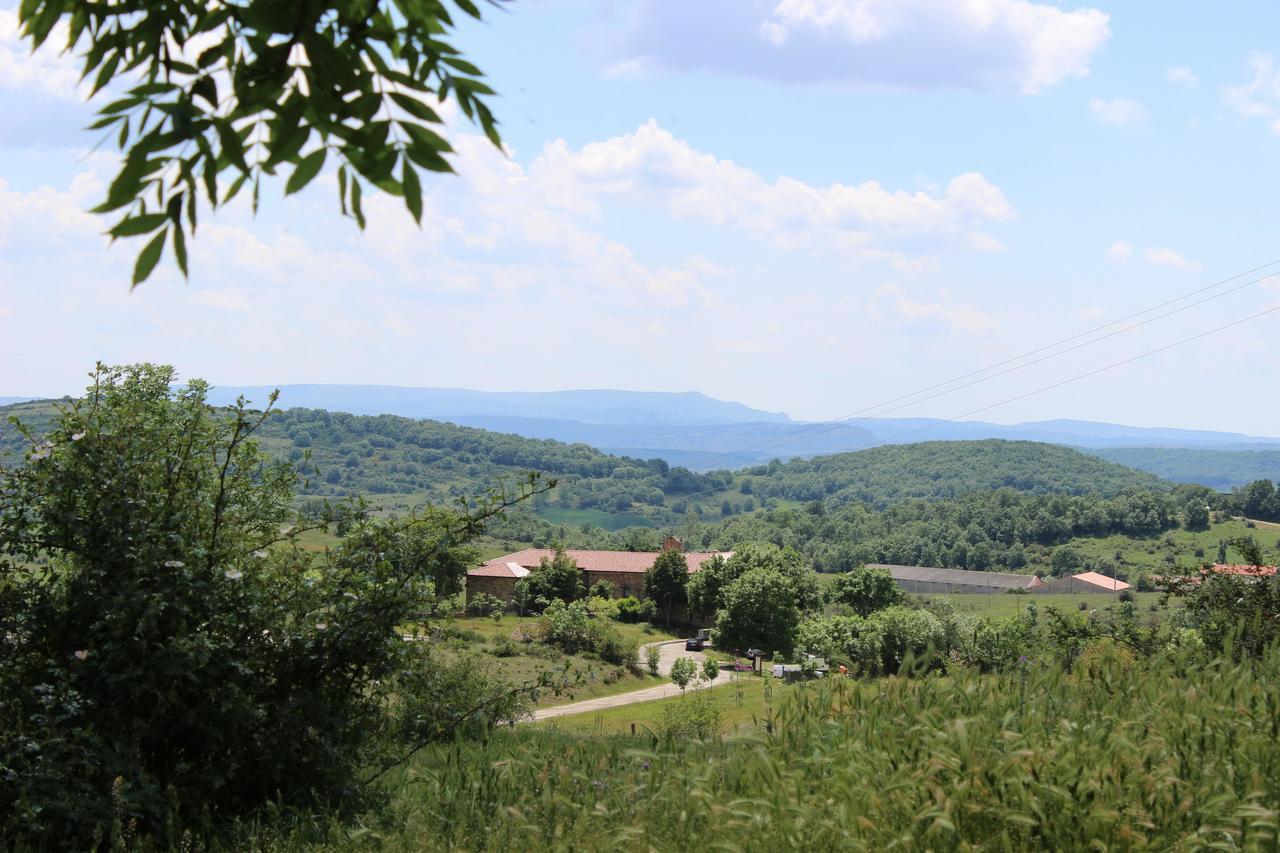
1000	606
489	644
744	704
595	517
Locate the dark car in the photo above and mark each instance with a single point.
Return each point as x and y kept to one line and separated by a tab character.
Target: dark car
694	644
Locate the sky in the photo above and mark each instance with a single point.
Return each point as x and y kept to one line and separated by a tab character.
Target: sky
810	206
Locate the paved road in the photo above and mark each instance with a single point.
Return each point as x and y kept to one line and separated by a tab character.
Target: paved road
672	650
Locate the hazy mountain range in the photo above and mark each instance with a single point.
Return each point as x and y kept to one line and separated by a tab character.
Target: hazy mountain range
703	433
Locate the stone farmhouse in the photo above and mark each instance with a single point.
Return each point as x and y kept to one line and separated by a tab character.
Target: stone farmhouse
624	570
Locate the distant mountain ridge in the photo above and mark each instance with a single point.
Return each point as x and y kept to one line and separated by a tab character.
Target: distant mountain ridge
587	406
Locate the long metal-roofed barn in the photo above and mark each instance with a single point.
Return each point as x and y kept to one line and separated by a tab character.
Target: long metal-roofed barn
926	579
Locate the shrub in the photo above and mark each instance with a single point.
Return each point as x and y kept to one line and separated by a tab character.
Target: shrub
697	718
904	633
603	608
652	659
601	589
167	645
484	604
634	610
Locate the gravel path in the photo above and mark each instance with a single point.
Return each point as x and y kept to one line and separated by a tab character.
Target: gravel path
672	650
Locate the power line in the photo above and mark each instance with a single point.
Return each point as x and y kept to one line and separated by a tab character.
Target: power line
832	425
1081	376
829	425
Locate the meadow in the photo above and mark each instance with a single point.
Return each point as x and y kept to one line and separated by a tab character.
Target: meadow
1164	754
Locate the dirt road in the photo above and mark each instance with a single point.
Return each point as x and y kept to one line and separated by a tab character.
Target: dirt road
672	651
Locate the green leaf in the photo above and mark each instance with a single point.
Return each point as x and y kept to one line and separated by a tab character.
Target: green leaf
147	259
231	144
105	73
412	191
180	249
135	225
355	202
342	188
307	169
415	108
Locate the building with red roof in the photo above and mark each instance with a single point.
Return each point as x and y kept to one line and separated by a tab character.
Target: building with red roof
624	570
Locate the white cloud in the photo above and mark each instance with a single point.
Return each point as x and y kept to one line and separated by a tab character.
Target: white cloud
864	221
1117	110
47	71
1000	45
1170	258
1120	252
891	305
1182	75
1260	97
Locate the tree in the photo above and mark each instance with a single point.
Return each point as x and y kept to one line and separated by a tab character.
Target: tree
710	668
557	579
219	93
1066	559
683	671
665	580
1196	513
759	611
171	636
866	590
706	587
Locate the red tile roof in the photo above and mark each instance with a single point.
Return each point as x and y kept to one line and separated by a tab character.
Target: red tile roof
636	562
1259	571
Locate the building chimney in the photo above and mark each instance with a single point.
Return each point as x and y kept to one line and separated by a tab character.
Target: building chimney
671	543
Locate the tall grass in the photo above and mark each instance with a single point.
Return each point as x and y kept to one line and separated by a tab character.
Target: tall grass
1161	755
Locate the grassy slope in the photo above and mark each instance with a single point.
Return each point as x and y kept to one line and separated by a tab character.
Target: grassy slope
480	637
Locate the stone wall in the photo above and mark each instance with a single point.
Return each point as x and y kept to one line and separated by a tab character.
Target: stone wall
502	588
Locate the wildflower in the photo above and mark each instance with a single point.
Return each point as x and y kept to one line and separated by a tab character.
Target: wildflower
82	654
173	564
78	436
233	574
260	554
44	451
321	626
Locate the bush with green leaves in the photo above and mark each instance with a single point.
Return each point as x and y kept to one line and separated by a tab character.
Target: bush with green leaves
758	611
866	590
633	610
666	580
572	628
652	659
683	672
484	604
555	579
159	627
697	718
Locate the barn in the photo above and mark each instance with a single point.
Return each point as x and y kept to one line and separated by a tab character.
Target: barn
1086	582
929	580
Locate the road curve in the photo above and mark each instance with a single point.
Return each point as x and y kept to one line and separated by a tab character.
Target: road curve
672	650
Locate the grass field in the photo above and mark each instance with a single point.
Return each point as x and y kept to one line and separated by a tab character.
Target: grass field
743	704
480	638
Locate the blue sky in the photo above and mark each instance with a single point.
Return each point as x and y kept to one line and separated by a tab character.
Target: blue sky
804	205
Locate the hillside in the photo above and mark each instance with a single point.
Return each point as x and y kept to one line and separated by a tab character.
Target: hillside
400	462
945	469
1218	469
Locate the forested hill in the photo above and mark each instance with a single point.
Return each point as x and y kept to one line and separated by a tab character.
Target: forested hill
402	461
945	469
1218	469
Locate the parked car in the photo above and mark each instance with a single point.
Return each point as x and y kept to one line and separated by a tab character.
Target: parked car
694	644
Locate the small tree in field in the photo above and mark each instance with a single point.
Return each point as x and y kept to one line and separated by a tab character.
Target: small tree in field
652	658
664	582
683	671
710	668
